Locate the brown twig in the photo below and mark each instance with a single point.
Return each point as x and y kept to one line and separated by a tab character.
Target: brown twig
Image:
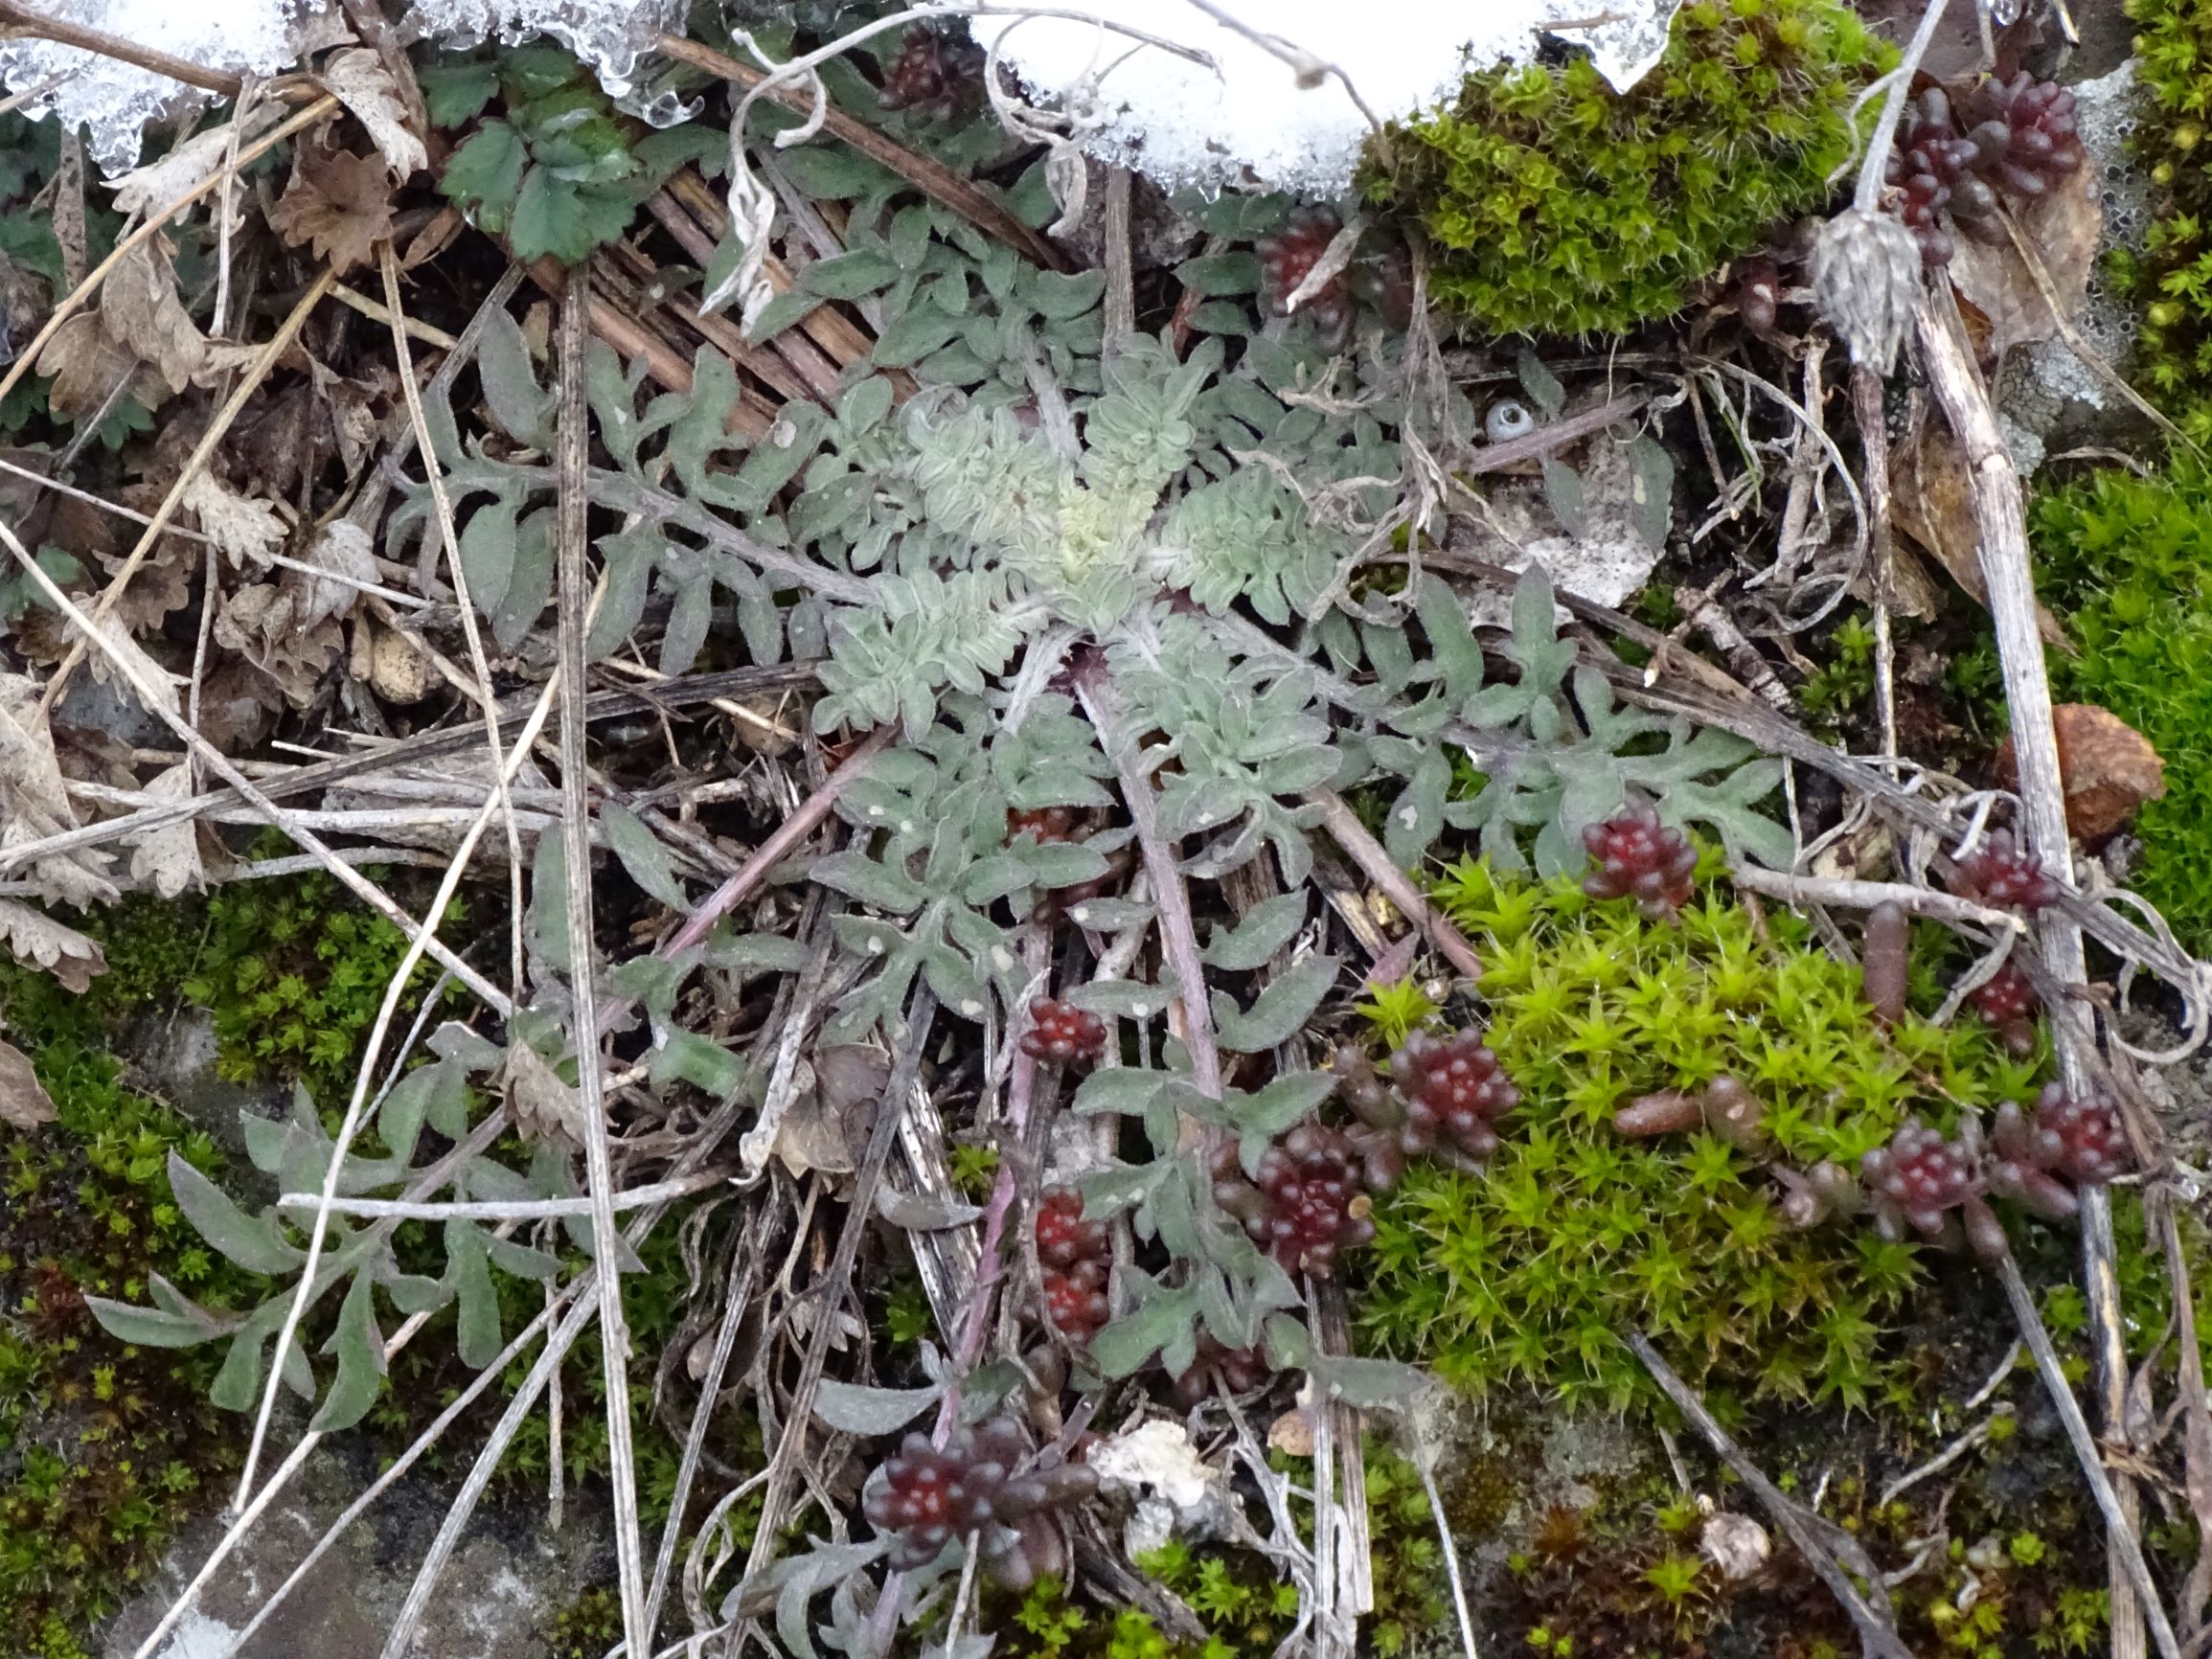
933	178
1377	865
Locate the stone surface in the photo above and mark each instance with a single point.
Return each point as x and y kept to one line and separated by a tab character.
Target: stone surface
508	1580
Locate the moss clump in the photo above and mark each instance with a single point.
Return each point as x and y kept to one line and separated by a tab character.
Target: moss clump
2128	563
1553	204
1530	1270
2172	277
103	1448
292	972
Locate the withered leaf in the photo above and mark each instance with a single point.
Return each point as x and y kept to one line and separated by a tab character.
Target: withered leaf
120	662
338	202
2061	225
342	548
360	80
544	1107
2106	767
167	858
84	364
829	1124
38	939
1932	502
150	188
242	526
140	307
262	622
24	1103
34	801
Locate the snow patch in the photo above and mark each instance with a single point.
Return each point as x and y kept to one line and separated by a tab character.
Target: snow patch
198	1636
1248	115
1182	123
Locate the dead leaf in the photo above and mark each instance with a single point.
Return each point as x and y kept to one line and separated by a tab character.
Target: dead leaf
1291	1434
340	202
238	706
2106	767
243	526
342	548
2062	225
832	1118
140	307
169	857
360	80
148	188
1932	502
433	238
544	1107
120	662
24	1103
260	623
84	363
36	938
34	801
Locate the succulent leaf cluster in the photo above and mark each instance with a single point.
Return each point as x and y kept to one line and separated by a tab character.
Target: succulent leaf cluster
1552	204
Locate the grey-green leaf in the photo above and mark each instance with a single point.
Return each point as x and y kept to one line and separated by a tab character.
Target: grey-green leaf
1281	1011
254	1242
848	276
643	853
467	1265
852	1409
360	1349
1252	942
523	408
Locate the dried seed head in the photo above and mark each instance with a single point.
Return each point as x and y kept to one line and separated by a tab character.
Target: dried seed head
1865	275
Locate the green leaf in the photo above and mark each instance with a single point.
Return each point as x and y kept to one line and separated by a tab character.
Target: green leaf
566	219
488	554
484	176
416	1096
1160	1319
180	1323
1280	1106
1281	1011
456	93
1250	944
644	854
832	172
468	1269
1564	491
1120	998
859	876
1370	1384
529	582
523	408
1542	385
360	1349
1108	1192
1124	1089
852	1409
1060	296
848	276
1215	274
254	1243
921	330
548	918
1651	490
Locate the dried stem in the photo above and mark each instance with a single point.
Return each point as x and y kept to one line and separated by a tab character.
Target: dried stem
1377	865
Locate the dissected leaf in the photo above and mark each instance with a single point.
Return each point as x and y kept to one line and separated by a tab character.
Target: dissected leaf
363	83
360	1349
167	857
150	188
245	526
339	202
84	364
544	1107
1281	1011
484	176
342	548
33	804
140	308
1266	928
24	1103
36	938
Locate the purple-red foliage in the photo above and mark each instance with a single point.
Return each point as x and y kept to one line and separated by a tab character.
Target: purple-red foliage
1638	857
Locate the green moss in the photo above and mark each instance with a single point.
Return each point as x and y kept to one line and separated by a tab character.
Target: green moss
104	1449
1553	204
292	972
2172	278
1531	1270
2128	563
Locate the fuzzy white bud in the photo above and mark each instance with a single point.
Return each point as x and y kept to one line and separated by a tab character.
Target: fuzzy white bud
1865	277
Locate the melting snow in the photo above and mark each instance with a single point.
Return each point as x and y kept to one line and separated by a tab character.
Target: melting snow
1180	121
